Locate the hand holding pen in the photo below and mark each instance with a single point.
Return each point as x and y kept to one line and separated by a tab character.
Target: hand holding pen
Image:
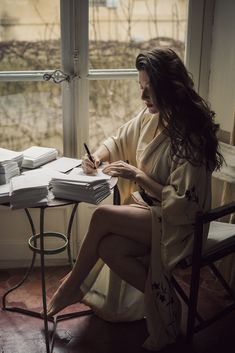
89	164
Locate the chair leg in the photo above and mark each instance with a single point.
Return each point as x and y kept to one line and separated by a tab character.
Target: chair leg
185	297
193	298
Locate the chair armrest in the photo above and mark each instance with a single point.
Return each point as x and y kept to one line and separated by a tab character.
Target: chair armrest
216	213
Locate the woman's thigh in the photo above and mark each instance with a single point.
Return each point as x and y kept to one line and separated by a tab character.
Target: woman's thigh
127	221
119	246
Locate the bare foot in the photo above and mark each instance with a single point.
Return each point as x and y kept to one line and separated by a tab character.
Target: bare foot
67	294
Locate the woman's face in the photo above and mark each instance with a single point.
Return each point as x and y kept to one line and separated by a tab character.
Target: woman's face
144	83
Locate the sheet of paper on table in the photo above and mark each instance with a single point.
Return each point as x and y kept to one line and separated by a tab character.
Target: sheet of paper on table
63	164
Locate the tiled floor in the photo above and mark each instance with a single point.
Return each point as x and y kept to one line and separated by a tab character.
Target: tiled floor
89	334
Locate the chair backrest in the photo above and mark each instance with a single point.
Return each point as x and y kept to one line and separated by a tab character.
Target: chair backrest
213	241
218	248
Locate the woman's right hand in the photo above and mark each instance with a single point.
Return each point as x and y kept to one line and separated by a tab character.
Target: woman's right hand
88	166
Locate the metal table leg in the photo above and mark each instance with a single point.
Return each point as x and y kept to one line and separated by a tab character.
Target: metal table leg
69	233
43	281
42	252
28	272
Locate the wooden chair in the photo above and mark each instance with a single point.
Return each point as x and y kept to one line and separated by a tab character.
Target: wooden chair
220	243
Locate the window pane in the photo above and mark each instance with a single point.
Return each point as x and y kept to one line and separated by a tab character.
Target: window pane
112	103
119	29
30	114
29	35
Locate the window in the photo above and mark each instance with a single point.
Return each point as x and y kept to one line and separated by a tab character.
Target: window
30	107
95	44
116	35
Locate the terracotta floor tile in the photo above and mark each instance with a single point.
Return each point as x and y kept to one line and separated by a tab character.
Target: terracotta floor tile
89	334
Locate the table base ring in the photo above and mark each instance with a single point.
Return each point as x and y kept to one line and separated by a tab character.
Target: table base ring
33	239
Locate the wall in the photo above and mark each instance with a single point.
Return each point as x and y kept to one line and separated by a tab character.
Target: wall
222	75
15	232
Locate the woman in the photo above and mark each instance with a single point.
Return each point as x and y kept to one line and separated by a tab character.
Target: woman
172	149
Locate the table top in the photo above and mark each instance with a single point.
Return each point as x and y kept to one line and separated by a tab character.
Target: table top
54	202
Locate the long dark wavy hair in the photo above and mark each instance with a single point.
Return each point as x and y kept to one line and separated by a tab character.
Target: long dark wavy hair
187	117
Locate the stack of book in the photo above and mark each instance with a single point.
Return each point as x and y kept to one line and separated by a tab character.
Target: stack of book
35	156
10	163
78	186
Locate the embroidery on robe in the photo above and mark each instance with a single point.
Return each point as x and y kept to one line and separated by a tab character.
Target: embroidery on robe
191	195
163	295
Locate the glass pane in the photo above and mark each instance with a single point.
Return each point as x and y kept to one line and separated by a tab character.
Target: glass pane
29	35
119	29
112	103
30	114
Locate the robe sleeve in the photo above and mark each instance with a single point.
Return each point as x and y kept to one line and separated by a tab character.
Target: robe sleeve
188	191
185	194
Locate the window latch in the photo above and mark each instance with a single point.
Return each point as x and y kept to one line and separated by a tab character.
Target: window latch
56	76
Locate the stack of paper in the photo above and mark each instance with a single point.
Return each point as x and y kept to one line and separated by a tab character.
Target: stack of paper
8	170
29	190
36	156
4	193
78	186
10	162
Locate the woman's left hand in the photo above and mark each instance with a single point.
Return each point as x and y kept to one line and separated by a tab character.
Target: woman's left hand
121	169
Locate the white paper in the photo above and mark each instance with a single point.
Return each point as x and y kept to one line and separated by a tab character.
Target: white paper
36	156
63	164
98	175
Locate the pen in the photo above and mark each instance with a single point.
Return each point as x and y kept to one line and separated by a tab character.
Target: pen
89	153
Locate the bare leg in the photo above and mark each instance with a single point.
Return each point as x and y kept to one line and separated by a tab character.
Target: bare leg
125	221
127	258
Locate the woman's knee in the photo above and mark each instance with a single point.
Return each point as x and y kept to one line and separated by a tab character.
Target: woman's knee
102	216
101	212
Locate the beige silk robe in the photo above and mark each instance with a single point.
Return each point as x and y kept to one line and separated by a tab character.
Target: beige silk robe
187	189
